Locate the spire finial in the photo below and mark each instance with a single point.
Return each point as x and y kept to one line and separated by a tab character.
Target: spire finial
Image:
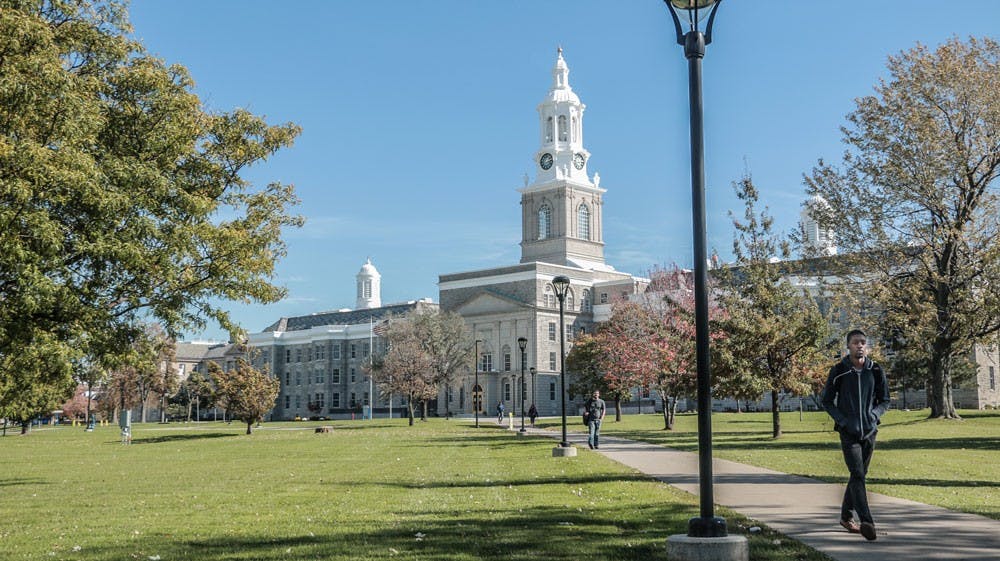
559	50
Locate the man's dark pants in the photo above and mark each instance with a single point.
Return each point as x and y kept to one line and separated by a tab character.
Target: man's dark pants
857	455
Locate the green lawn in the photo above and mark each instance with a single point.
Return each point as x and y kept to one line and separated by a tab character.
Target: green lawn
369	490
954	464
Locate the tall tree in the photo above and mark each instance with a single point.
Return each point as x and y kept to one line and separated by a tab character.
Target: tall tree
774	332
122	198
249	393
448	343
915	202
405	368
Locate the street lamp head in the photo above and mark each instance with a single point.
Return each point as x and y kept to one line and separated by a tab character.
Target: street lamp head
561	285
532	370
522	342
693	11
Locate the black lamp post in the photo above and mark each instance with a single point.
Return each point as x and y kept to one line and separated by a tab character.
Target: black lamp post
532	370
522	342
475	388
561	285
707	525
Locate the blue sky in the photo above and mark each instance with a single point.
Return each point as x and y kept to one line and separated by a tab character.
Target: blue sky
419	118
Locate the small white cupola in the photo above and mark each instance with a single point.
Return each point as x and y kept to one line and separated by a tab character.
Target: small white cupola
369	286
818	239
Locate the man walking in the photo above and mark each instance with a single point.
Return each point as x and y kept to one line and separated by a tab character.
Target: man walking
856	395
595	409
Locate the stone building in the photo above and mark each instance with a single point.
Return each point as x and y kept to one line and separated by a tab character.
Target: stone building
561	234
320	358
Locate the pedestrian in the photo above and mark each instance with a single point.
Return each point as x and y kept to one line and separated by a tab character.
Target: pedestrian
533	414
594	409
856	395
500	412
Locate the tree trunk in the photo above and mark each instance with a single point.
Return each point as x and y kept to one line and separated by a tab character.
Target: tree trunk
249	427
618	409
423	410
738	406
409	407
775	415
667	424
24	426
939	396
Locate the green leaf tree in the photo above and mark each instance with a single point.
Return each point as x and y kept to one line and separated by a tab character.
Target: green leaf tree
915	203
774	333
249	393
122	198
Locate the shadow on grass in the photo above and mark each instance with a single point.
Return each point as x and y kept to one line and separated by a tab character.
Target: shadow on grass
500	482
15	481
626	532
182	437
749	441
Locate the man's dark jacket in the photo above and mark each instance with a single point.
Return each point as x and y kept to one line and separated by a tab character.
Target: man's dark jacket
856	400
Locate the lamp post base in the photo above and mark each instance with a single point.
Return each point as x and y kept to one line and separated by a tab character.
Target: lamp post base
681	547
714	527
522	433
564	452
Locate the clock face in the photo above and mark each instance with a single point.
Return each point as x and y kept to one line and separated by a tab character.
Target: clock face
545	161
579	160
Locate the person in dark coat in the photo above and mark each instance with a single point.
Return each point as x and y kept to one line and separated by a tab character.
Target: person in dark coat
856	395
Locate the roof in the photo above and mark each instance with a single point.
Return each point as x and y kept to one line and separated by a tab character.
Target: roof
350	317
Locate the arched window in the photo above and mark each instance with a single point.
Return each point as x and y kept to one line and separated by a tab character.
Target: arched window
570	300
563	129
548	297
506	358
549	135
583	221
585	305
544	222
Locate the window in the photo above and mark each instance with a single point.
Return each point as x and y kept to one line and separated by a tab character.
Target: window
549	297
298	402
336	350
993	378
288	402
585	305
335	376
365	402
320	400
319	352
552	361
365	349
570	300
544	222
604	298
354	351
298	378
486	364
352	374
552	331
309	377
506	358
335	400
583	222
298	355
552	391
354	400
288	355
309	354
506	391
319	376
367	288
569	332
288	378
563	129
548	130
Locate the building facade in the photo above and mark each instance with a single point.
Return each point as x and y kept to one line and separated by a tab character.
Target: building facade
561	234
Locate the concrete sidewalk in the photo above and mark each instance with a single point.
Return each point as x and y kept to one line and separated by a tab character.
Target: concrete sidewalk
808	510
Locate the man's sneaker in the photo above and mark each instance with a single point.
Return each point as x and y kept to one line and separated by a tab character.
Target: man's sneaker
868	531
851	526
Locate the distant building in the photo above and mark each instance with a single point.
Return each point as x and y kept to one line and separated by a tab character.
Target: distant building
319	358
561	234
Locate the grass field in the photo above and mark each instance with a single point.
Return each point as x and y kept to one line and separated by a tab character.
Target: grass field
954	464
441	490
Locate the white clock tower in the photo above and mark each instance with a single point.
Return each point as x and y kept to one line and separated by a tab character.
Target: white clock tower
561	209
